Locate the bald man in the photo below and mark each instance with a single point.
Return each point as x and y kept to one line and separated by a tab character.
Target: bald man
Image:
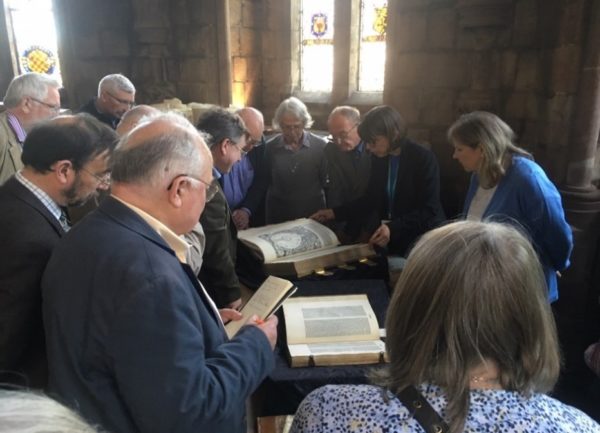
245	201
65	164
140	347
134	116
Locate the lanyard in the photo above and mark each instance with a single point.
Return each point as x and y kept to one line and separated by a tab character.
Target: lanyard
393	163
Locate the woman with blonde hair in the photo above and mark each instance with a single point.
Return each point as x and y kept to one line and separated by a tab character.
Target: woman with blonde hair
471	342
508	186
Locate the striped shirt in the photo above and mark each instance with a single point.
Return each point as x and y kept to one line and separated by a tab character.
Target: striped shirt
16	127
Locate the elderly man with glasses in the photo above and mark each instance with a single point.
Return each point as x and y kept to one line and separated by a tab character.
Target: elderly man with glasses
30	99
227	140
116	95
134	342
348	161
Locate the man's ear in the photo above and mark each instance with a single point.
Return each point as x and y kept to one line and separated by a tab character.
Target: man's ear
63	171
222	146
178	191
24	105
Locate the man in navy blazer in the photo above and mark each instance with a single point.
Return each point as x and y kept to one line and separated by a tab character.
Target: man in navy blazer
134	342
66	161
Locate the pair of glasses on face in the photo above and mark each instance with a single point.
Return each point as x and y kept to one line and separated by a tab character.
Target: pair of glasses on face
103	179
238	147
125	102
53	108
290	128
342	136
211	188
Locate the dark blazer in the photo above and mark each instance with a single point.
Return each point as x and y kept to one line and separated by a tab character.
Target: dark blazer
348	174
416	206
255	197
28	234
217	273
132	340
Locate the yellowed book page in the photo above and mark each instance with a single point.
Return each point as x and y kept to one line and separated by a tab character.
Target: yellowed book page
322	319
263	303
347	352
288	239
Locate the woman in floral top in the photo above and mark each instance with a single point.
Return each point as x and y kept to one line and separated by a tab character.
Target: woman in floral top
470	327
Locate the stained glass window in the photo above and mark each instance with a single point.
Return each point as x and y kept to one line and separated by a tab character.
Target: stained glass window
316	45
373	25
34	36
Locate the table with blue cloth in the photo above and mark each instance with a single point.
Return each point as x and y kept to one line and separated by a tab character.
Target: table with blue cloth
283	390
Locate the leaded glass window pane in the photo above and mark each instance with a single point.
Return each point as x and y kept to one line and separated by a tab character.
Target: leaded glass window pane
373	26
316	45
34	36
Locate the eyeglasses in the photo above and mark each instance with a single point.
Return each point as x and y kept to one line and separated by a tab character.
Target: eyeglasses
103	179
238	147
297	127
342	136
253	141
54	108
211	188
130	104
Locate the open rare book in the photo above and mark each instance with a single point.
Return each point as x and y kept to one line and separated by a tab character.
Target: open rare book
300	247
332	330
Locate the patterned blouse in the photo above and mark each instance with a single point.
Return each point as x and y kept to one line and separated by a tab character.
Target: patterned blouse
361	409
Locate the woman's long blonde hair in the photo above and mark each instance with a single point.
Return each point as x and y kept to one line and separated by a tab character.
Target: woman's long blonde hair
497	141
471	291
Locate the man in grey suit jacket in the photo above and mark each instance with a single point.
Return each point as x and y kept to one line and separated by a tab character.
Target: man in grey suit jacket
65	164
30	98
133	339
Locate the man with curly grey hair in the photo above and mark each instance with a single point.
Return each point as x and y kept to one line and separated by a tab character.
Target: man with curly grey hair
30	98
116	95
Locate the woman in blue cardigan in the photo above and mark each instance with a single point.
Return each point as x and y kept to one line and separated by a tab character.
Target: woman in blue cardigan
507	185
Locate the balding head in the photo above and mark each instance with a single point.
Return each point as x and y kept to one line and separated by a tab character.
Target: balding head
158	148
133	117
255	125
163	167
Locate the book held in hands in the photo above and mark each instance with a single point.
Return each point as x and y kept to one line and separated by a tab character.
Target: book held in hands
300	247
265	301
332	330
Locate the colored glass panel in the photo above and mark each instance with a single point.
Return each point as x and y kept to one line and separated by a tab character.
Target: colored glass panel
373	27
316	45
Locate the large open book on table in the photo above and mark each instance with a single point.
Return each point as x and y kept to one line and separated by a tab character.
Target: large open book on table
265	301
332	330
300	247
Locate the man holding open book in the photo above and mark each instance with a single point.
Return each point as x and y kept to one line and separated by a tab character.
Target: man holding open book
134	341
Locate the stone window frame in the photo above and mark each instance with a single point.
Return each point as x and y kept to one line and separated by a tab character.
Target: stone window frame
345	57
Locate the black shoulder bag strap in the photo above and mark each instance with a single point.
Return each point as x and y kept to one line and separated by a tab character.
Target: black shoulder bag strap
422	411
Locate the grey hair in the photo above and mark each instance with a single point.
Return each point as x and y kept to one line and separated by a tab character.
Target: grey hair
29	412
296	108
350	113
30	84
116	82
159	158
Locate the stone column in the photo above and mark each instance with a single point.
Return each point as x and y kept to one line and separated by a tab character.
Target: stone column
586	122
223	52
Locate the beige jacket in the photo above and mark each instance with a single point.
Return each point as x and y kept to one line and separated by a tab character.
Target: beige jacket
10	150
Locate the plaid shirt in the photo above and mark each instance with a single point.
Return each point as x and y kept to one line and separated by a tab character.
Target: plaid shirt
41	195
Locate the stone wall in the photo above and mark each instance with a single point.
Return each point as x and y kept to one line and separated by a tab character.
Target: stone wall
168	48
